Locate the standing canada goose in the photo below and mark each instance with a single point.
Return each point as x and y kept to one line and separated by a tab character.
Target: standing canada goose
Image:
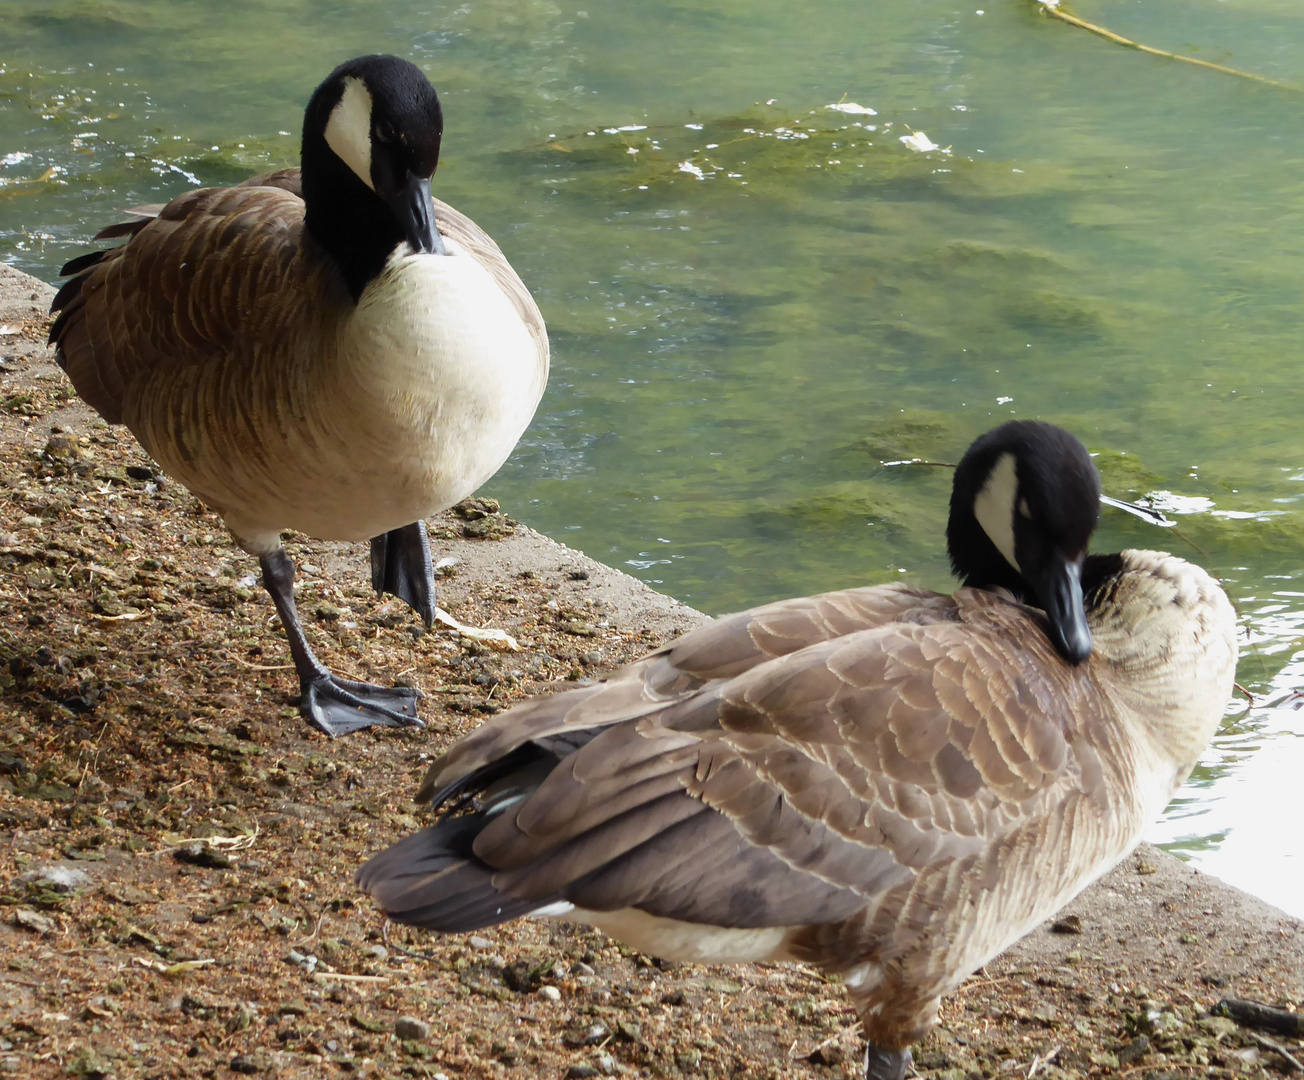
326	349
889	783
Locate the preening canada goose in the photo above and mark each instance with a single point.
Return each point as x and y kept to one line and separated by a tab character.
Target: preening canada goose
890	783
325	349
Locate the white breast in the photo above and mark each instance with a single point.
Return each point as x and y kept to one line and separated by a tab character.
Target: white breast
436	379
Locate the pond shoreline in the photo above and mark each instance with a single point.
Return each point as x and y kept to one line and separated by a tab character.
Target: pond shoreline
1154	936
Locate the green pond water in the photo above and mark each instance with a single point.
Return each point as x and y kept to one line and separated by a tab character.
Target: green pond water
755	299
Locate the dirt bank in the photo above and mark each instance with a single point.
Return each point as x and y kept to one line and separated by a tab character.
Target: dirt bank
176	847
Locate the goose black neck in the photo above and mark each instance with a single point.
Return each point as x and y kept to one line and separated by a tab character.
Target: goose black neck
349	220
1100	576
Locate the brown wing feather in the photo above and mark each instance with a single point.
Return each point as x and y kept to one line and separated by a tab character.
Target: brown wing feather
810	784
203	280
721	649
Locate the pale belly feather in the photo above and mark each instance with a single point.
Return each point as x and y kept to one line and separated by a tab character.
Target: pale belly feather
426	390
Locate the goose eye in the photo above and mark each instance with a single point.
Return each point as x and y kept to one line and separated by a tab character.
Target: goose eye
385	132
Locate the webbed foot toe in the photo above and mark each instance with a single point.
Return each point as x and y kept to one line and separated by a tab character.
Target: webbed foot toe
340	706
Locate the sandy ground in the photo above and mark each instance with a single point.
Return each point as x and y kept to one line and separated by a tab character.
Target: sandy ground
176	846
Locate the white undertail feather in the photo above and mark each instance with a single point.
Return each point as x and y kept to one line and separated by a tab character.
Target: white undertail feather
348	131
695	943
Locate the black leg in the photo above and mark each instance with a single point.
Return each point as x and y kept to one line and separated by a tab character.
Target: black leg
335	706
401	564
883	1064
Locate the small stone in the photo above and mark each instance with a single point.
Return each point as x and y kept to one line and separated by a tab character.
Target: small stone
308	963
376	952
62	879
1138	1047
580	1072
606	1064
89	1064
61	448
550	993
408	1027
1142	1022
38	923
328	612
478	942
1218	1026
1070	924
202	854
522	976
830	1054
585	1035
243	1063
474	508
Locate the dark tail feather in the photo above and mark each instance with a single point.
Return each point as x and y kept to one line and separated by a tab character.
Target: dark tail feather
433	880
77	265
401	565
144	215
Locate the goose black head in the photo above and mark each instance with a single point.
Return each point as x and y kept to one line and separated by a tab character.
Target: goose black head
1025	501
371	136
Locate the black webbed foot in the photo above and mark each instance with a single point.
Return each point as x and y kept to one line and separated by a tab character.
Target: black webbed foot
333	705
401	564
341	707
883	1064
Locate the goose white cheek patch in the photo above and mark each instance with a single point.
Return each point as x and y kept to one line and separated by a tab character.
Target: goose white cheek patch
994	507
348	131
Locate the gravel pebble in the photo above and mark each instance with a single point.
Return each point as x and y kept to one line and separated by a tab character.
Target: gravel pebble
408	1027
549	993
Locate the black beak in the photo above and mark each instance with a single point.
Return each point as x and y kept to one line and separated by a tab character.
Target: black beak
1058	588
416	213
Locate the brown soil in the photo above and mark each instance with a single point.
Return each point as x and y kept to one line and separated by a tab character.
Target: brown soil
177	847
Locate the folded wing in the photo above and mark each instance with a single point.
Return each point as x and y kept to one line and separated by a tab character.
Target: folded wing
759	788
